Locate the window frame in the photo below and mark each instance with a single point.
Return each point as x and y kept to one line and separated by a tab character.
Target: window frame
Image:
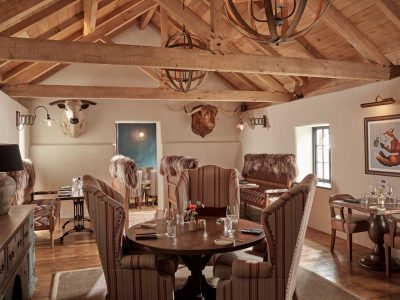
321	181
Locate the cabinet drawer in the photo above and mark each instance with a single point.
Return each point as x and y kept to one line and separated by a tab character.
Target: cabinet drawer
28	229
19	240
11	254
2	265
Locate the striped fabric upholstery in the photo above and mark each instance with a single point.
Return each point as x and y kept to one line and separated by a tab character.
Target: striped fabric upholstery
128	277
284	222
252	197
211	185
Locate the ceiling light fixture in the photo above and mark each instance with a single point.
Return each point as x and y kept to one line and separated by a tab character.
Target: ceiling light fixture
379	101
273	21
30	119
241	125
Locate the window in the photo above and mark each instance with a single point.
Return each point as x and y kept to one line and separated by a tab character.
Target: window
322	155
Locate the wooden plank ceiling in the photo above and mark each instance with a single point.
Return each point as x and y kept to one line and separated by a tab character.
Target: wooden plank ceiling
355	43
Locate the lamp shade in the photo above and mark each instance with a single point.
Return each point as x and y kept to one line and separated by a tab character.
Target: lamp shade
10	158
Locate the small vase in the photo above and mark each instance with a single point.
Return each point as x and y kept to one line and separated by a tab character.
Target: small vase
192	225
7	191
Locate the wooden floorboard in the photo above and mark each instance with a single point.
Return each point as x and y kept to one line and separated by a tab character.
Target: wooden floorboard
79	251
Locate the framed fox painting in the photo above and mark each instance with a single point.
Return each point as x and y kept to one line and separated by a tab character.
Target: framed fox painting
382	145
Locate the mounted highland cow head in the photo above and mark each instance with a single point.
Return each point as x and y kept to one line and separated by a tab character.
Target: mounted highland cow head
203	118
74	120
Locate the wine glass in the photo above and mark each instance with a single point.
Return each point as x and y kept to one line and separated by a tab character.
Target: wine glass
389	191
372	189
231	215
169	215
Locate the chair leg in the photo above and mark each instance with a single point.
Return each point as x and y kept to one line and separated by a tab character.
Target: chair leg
295	295
388	258
333	239
52	239
349	245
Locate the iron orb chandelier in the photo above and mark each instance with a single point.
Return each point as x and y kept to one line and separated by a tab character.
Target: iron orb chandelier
273	21
184	80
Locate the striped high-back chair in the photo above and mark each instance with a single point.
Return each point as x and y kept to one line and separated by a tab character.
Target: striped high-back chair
130	277
213	186
284	222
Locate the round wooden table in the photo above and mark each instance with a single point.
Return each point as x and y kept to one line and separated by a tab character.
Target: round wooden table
195	249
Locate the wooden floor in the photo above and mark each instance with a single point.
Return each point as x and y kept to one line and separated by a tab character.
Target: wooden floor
79	251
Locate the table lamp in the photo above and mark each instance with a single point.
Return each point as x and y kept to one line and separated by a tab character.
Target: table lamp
10	161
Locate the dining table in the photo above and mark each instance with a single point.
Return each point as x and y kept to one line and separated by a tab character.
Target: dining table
378	226
78	199
195	248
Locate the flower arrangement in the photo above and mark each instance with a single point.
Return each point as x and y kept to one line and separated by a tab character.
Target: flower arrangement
191	210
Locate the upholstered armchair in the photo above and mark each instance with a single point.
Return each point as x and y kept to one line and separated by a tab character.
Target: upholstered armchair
133	276
152	190
274	276
47	209
213	186
346	222
269	171
171	168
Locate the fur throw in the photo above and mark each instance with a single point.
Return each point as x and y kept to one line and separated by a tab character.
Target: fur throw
278	164
174	165
25	180
124	170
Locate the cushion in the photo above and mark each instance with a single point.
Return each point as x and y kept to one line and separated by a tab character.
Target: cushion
352	223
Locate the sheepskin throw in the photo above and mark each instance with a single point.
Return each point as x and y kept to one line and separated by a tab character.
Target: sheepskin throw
124	170
278	164
174	165
25	180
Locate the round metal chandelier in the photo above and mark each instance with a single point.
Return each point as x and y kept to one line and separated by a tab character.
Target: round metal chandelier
273	21
184	80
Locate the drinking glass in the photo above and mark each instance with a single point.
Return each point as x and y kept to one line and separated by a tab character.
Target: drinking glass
171	231
180	219
231	214
389	191
372	189
364	199
227	225
169	215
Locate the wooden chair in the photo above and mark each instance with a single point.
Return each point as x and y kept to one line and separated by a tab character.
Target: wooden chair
129	275
151	191
349	223
273	276
391	240
137	193
47	209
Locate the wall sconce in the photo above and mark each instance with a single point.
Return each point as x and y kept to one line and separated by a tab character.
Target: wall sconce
30	119
241	125
262	121
141	133
379	101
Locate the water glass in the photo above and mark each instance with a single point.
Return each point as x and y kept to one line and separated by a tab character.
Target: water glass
169	215
180	219
171	231
364	199
396	198
227	225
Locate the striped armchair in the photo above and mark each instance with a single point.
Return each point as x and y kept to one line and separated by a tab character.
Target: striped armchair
213	186
130	277
285	223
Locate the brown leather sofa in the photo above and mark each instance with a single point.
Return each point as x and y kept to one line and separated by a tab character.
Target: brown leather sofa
269	171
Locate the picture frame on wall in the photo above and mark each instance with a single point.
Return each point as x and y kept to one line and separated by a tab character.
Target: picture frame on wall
382	145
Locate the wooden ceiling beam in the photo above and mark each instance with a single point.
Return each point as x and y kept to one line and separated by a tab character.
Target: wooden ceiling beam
193	59
89	16
163	26
13	11
39	16
138	93
343	26
390	10
110	24
145	19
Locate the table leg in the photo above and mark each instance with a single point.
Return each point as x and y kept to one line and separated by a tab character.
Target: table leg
378	226
196	286
79	220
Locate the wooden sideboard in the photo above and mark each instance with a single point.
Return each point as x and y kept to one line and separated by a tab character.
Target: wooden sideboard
17	257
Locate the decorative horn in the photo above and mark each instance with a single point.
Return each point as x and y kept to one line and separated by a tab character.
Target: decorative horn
57	102
88	102
228	112
193	110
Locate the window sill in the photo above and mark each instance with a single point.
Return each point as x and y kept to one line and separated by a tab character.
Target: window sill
324	185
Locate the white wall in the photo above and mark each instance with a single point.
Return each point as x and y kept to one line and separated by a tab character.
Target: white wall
8	130
342	112
58	158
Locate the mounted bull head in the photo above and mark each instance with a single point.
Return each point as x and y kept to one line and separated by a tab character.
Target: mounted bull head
203	118
74	120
